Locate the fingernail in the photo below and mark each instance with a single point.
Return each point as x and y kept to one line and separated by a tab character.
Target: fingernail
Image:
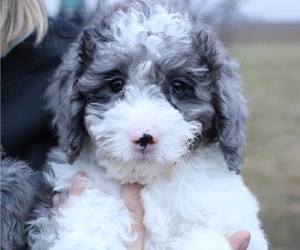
78	177
245	243
56	200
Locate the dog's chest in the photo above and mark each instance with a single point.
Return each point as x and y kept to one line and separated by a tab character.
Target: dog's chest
195	196
173	207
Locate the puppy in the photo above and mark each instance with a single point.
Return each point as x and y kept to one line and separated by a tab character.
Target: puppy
148	95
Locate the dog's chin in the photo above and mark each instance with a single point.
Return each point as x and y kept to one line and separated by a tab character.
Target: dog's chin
144	169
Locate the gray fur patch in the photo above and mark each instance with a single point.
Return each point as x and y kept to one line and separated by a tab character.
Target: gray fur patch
17	197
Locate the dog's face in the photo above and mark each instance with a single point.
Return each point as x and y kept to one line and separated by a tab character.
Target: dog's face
149	85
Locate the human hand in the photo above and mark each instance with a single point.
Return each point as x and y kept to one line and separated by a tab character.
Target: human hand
131	198
76	189
238	241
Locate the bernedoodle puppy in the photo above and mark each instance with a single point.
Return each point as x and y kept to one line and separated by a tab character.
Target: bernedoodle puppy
148	95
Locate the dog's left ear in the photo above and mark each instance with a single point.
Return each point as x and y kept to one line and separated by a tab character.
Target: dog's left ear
66	101
227	100
67	105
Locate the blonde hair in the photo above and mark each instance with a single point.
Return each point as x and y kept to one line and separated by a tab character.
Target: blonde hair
19	18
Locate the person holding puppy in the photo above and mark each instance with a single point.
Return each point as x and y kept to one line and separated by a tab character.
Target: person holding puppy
31	49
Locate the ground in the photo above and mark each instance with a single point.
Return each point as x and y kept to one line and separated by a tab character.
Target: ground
271	74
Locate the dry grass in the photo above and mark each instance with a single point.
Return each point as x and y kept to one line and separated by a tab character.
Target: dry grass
272	85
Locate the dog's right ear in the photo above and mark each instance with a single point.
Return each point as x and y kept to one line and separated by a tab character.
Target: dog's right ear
227	98
65	100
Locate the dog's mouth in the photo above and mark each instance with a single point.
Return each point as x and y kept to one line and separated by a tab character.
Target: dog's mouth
143	146
143	169
141	154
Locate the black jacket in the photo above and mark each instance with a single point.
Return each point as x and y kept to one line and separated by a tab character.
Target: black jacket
26	132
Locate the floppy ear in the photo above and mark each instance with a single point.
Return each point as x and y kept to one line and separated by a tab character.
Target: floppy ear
65	100
227	100
230	110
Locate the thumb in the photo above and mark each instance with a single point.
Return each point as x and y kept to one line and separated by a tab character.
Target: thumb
78	186
240	240
131	196
76	189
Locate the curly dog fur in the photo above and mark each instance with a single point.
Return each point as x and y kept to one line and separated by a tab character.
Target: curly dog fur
148	94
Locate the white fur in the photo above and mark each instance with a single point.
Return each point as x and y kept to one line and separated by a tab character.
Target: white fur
191	201
135	29
197	207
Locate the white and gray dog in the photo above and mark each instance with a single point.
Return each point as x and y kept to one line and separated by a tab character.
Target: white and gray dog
148	95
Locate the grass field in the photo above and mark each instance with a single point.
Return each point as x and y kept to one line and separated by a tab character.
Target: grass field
271	74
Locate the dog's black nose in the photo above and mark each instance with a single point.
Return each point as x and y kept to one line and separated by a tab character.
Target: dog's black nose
147	138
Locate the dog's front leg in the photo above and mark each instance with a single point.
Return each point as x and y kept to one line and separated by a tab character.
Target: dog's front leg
92	220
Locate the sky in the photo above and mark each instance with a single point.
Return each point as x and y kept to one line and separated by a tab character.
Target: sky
256	10
271	10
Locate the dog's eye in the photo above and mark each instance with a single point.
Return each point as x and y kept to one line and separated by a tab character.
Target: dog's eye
177	87
116	85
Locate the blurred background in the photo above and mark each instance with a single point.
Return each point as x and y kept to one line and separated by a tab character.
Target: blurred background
264	35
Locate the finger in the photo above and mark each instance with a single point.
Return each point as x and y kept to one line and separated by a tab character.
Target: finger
76	189
56	200
240	240
131	196
78	186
